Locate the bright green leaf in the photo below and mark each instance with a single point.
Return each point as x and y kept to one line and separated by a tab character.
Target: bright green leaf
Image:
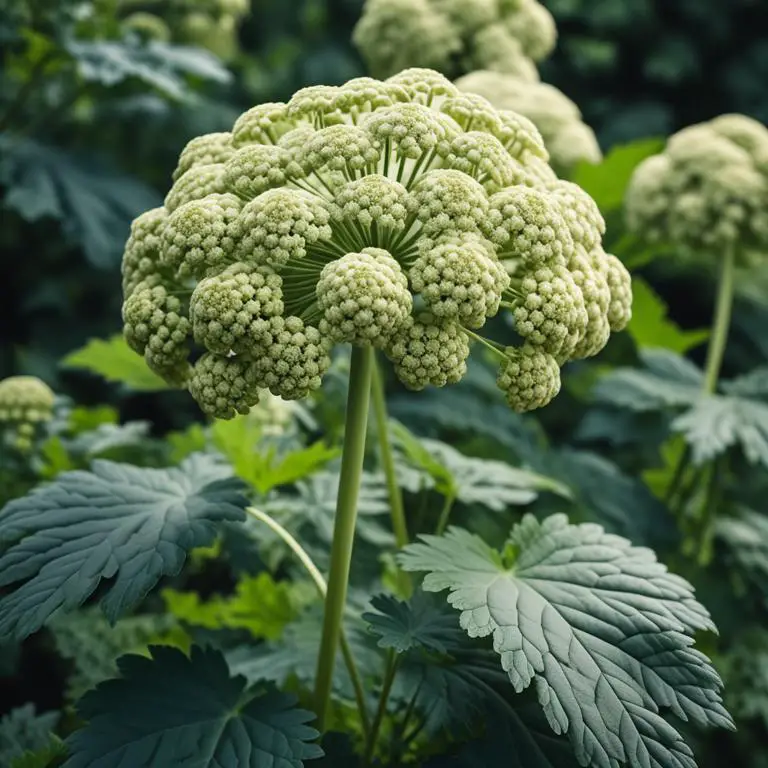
608	181
52	754
172	710
598	624
115	361
118	522
263	463
260	604
650	326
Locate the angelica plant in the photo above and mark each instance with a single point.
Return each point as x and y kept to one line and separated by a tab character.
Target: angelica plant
455	35
26	402
706	196
569	140
395	217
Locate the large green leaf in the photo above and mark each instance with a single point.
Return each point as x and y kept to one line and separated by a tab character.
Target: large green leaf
650	326
459	691
716	423
114	360
23	730
171	710
608	181
600	626
119	523
260	605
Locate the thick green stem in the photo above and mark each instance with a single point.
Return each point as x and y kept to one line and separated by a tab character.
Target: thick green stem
721	322
356	423
389	678
322	588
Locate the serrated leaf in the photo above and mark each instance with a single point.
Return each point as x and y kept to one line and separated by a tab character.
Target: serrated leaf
23	730
650	326
118	522
260	605
418	623
493	484
92	645
607	182
267	464
716	423
94	204
668	381
461	691
115	361
600	626
174	710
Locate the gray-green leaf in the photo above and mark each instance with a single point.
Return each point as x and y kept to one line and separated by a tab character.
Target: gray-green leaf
600	626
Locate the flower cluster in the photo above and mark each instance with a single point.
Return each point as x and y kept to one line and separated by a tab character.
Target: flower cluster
25	402
455	36
569	140
708	191
398	214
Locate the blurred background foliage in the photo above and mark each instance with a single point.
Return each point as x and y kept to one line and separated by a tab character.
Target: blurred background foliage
98	96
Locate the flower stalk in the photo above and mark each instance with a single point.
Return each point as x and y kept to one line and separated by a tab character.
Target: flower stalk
353	453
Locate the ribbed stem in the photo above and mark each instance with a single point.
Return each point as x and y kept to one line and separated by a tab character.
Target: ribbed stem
356	422
721	321
386	455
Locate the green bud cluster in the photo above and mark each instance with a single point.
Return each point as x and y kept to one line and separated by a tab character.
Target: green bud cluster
707	192
398	214
455	36
25	403
569	140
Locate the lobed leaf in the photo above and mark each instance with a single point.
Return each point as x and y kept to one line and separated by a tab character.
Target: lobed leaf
127	524
174	710
115	361
600	626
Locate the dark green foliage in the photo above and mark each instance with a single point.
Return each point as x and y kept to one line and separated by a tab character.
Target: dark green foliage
136	719
23	730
